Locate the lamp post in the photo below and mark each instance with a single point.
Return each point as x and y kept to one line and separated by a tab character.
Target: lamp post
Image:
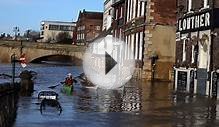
13	62
16	31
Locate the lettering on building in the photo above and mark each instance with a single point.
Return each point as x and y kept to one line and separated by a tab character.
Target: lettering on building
195	22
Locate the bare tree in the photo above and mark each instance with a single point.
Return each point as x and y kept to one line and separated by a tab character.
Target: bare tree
32	35
64	38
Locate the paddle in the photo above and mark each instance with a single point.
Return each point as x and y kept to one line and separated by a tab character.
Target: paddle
52	87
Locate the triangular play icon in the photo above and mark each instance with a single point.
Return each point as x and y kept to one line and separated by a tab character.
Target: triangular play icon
109	63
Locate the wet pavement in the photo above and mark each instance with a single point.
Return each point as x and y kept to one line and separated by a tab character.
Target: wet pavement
139	104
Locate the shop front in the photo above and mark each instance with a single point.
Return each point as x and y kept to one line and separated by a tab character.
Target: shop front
194	44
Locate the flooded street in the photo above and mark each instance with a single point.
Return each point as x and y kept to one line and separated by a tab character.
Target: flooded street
139	104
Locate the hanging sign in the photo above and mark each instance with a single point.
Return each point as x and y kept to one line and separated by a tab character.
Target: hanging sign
195	22
23	61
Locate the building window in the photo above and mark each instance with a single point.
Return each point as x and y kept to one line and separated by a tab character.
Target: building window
83	36
139	9
117	12
136	45
128	10
98	28
72	28
109	13
53	27
42	28
121	12
143	7
131	9
83	28
141	45
65	28
134	8
189	5
206	3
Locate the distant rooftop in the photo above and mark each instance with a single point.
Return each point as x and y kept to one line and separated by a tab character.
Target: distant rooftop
91	14
57	22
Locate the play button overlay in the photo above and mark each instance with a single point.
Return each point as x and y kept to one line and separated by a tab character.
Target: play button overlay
109	63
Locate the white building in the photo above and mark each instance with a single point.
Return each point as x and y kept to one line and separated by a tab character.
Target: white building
50	30
108	14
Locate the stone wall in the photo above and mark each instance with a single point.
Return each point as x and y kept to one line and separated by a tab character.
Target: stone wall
8	105
161	42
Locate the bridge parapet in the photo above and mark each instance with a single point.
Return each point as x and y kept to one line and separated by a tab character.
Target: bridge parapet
34	50
39	45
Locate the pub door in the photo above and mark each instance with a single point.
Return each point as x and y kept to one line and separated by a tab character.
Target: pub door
192	77
182	81
202	76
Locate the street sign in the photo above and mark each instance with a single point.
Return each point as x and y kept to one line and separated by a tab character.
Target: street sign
23	61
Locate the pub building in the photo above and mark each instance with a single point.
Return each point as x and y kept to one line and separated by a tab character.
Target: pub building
197	42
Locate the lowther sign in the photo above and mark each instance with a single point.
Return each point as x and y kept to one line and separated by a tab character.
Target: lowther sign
195	22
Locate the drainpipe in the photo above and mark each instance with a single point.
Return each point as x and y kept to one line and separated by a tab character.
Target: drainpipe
143	44
211	68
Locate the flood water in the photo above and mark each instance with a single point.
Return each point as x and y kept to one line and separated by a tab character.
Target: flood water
139	104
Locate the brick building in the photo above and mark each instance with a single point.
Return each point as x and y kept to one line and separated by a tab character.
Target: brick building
159	47
148	28
196	47
89	26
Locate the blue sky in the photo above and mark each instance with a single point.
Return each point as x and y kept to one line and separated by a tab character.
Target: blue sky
27	14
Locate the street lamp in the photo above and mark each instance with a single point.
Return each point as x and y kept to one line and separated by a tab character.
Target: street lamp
16	31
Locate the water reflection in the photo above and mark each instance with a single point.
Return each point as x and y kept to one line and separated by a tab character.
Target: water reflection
194	111
127	99
50	106
140	104
8	109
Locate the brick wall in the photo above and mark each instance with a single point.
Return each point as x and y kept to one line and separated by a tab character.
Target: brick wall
90	20
164	11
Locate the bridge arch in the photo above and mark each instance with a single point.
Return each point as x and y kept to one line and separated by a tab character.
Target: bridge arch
33	55
58	59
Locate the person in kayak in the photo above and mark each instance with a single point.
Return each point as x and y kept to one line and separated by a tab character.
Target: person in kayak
69	80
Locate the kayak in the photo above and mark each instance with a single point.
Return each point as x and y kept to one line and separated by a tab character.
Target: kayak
67	89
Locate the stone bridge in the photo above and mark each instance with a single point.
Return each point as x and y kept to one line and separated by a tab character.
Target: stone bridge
35	51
